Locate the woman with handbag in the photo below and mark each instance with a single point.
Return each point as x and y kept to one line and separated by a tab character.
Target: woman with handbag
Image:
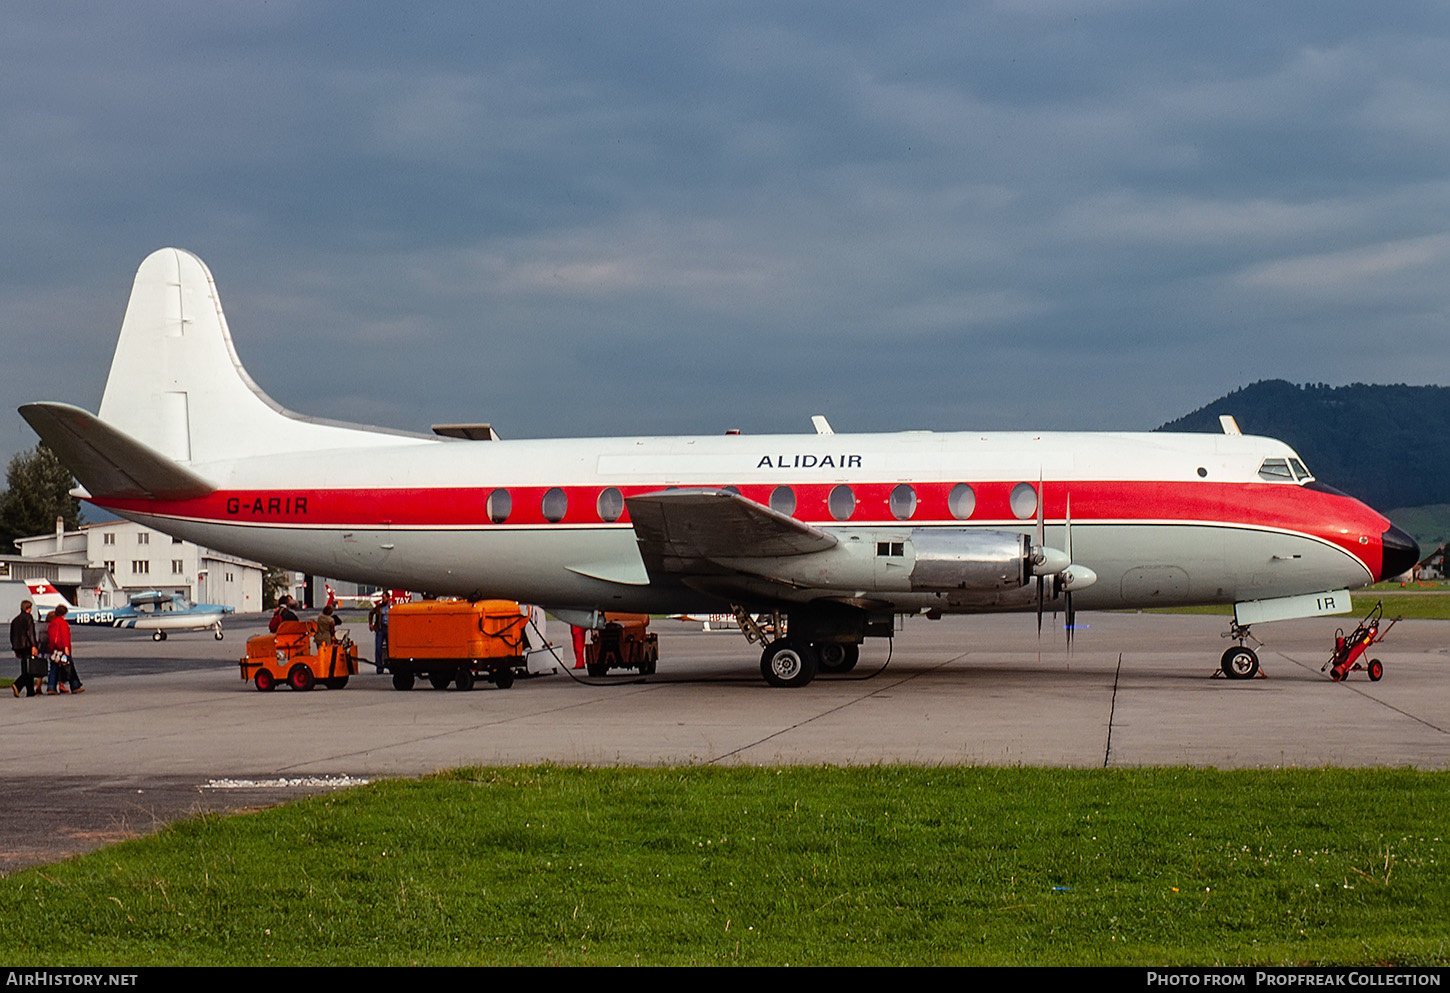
61	664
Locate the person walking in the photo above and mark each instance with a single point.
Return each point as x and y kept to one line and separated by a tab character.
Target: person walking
62	665
26	648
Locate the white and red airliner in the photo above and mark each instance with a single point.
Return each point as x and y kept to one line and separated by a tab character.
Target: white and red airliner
837	533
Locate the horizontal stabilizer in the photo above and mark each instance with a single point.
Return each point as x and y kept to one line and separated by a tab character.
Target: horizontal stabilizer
684	531
108	462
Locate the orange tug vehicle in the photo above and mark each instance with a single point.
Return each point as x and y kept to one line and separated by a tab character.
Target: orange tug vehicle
457	642
287	657
623	643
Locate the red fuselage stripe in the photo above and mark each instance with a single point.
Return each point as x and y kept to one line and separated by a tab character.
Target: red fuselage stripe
1280	506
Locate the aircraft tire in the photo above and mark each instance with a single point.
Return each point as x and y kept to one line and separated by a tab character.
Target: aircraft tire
158	635
264	681
1376	670
464	679
785	663
300	678
402	680
218	634
836	657
1239	663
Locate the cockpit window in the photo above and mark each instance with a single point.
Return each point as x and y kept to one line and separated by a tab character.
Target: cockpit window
1276	470
1284	470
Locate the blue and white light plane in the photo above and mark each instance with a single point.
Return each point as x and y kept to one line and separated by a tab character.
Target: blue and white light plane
152	611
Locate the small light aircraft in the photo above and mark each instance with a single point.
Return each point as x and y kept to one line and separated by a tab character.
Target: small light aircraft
829	535
151	610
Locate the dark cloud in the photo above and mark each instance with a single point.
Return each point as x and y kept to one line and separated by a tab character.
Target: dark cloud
653	217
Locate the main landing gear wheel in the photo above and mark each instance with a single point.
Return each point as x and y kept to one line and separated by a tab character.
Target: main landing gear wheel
402	680
1376	670
264	681
837	657
1240	663
218	633
786	663
158	635
300	678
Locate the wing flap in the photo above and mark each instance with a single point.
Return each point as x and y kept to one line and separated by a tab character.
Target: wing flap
684	532
108	462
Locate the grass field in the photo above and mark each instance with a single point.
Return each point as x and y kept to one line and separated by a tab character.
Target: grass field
881	865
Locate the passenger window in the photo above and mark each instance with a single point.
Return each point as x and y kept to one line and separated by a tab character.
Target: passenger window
961	501
782	500
555	505
1024	501
610	505
842	502
500	504
902	502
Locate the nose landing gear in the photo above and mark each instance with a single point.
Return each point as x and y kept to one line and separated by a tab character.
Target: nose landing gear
1241	661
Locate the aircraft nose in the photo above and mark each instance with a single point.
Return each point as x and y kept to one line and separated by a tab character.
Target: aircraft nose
1400	553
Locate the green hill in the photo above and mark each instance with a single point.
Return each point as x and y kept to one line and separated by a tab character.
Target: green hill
1387	445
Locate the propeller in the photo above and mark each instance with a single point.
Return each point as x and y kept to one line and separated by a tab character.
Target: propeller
1057	567
1069	619
1047	563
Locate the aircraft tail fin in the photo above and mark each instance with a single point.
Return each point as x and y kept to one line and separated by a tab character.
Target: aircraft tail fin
178	388
46	596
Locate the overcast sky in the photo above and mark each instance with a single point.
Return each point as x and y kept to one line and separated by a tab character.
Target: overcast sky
658	218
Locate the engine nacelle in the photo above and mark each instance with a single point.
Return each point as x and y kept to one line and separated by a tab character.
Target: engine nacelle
921	560
968	559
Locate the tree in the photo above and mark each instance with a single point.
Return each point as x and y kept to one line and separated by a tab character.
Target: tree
274	583
39	492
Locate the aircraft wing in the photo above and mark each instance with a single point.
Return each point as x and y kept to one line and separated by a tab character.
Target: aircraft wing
683	532
108	462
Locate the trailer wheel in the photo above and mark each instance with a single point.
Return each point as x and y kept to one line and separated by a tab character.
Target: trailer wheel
300	678
439	680
402	680
1376	670
335	682
503	678
264	680
1239	663
598	670
464	680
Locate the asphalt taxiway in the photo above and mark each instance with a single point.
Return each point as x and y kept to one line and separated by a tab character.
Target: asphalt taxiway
166	729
